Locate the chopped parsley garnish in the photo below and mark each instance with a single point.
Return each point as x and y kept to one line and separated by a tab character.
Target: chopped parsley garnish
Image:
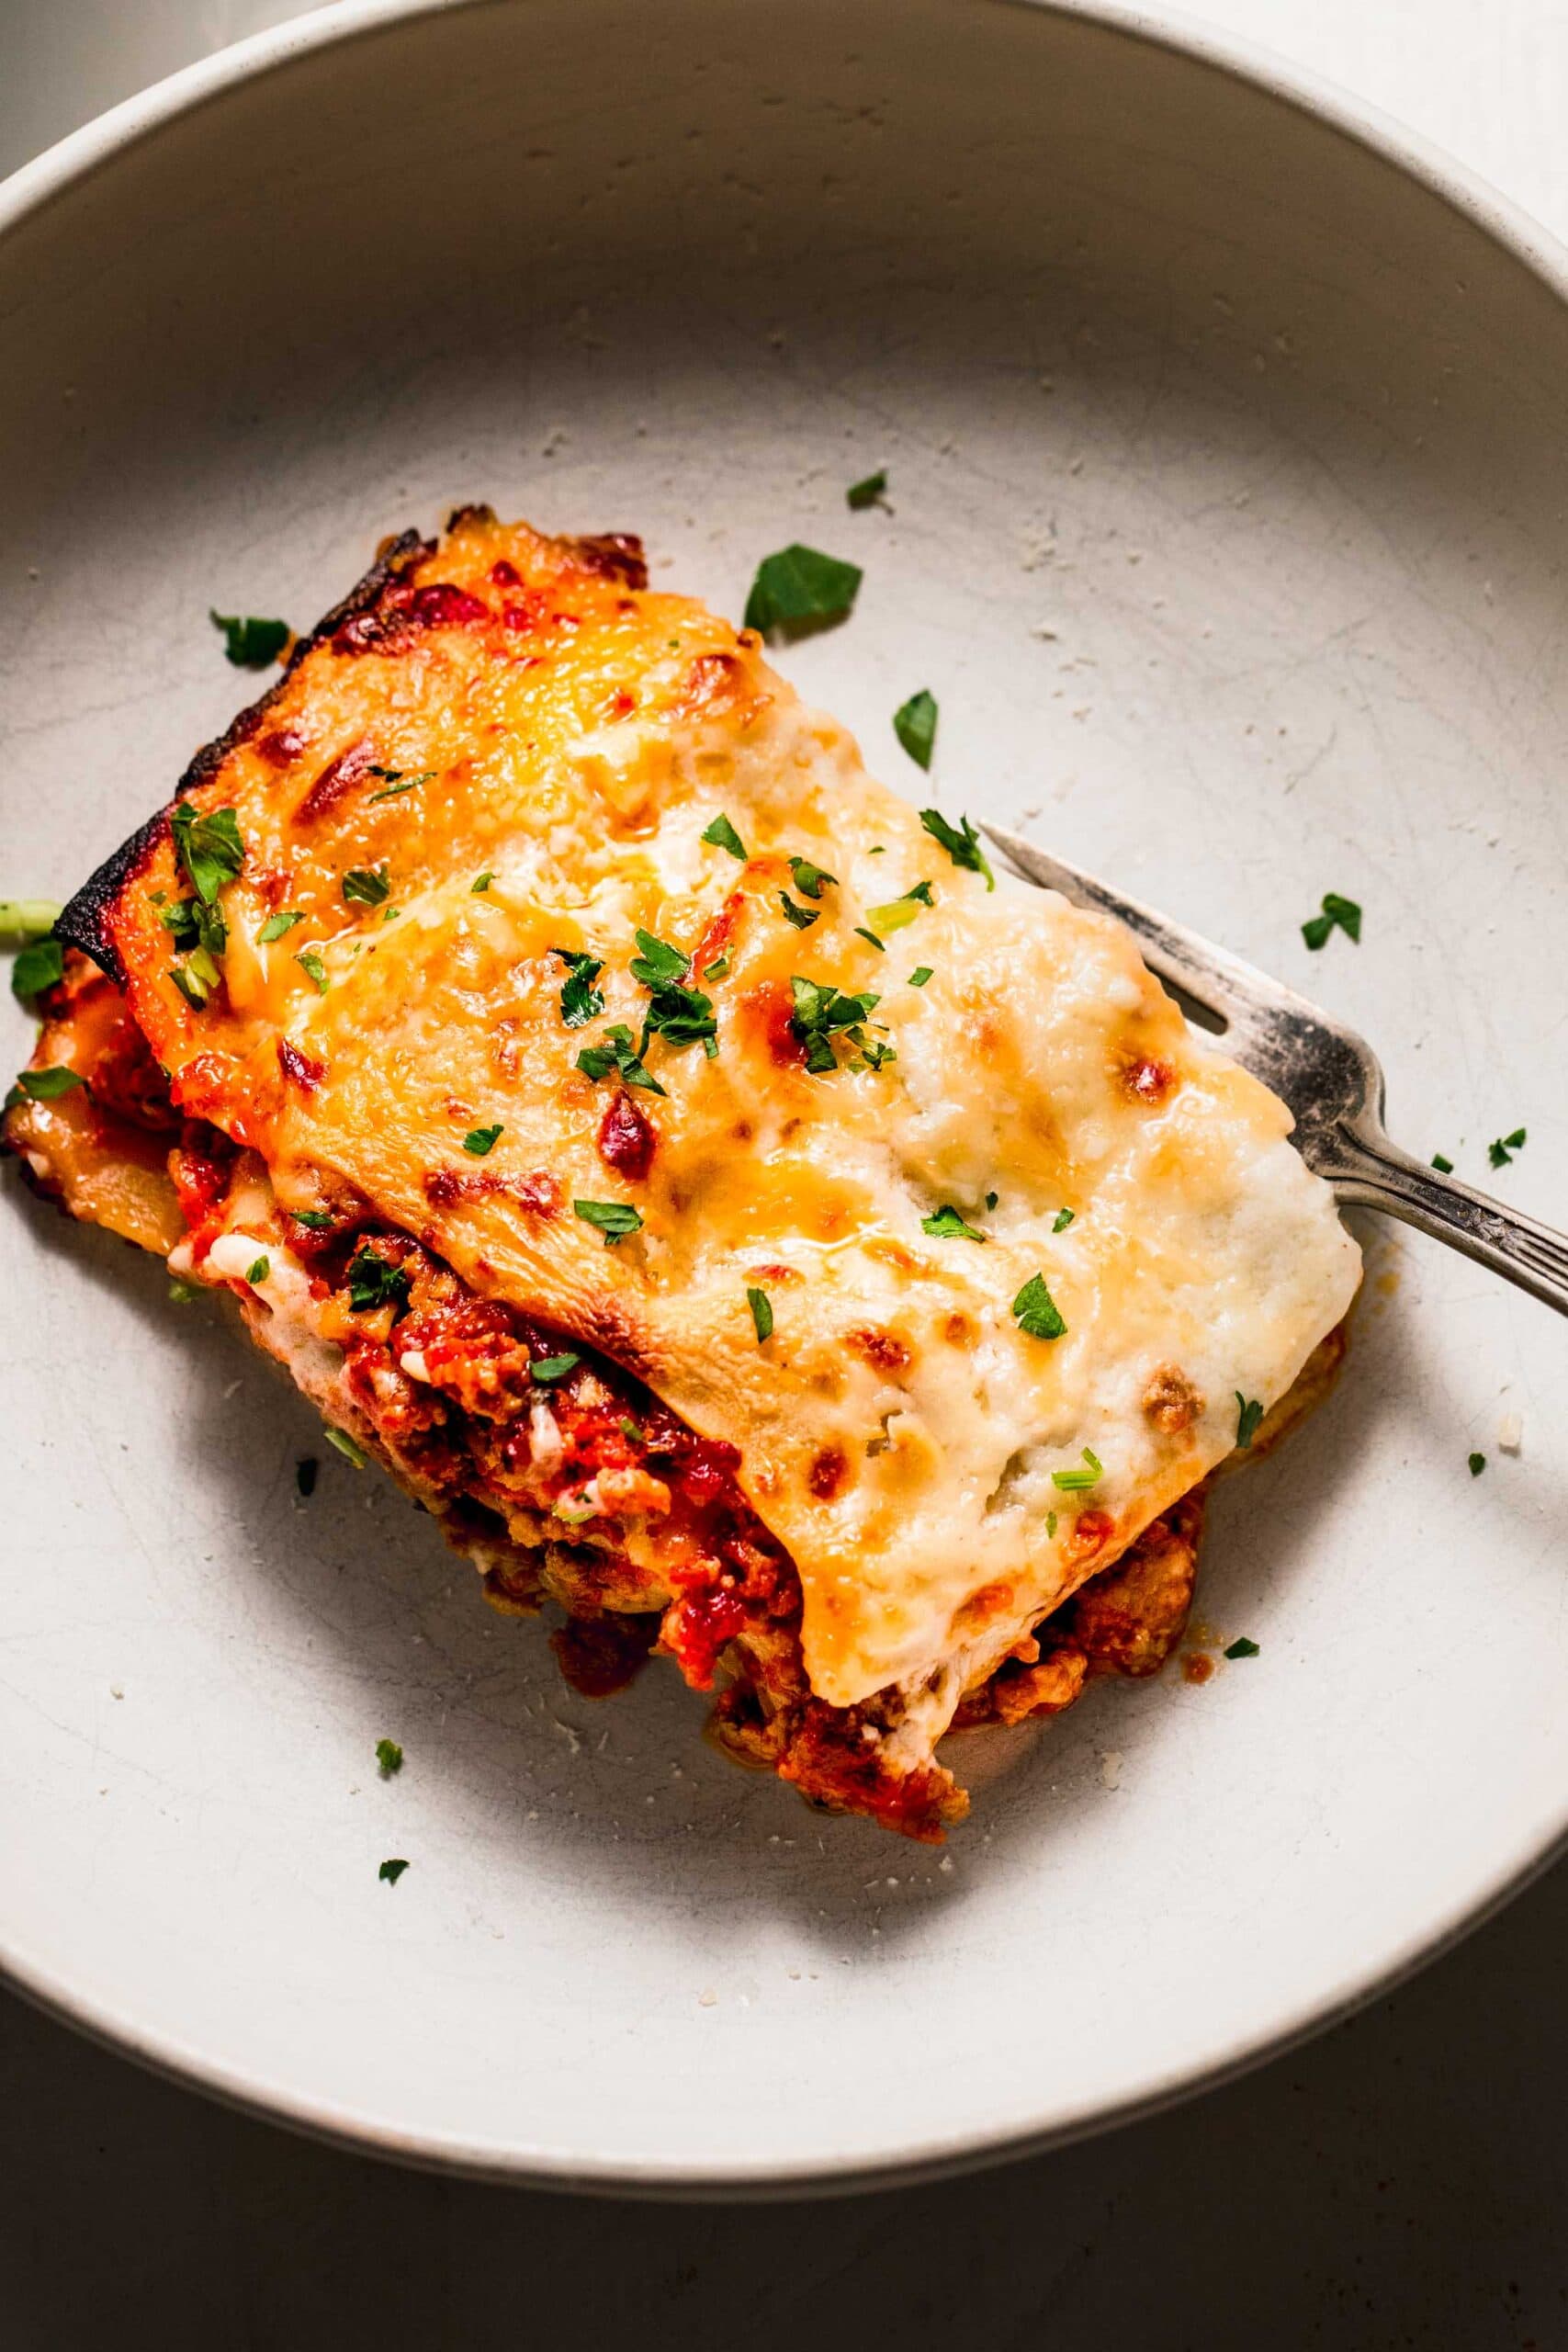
37	967
681	1016
800	588
802	917
920	976
914	723
581	1001
1064	1217
1249	1412
276	926
867	492
1477	1465
49	1085
717	968
723	836
872	1054
192	923
1444	1166
1243	1648
478	888
397	780
632	1434
305	1471
897	912
365	886
250	643
1051	1523
209	848
948	1226
614	1220
392	1870
311	964
617	1052
1037	1313
761	1307
1077	1482
1343	912
808	879
25	918
388	1758
315	1220
1502	1151
821	1014
480	1140
552	1368
184	1294
258	1270
962	847
374	1282
861	932
346	1447
196	978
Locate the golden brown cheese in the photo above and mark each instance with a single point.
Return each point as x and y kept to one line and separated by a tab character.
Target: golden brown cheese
523	710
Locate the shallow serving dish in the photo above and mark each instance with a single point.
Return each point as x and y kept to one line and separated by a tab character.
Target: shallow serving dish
1229	518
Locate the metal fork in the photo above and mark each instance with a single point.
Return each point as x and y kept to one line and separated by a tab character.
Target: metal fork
1328	1078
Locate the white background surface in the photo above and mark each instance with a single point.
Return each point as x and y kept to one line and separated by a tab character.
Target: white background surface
1402	2183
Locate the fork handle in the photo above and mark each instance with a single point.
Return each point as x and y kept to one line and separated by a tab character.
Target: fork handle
1366	1169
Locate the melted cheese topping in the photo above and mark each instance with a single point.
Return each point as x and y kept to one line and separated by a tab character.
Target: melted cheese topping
899	1430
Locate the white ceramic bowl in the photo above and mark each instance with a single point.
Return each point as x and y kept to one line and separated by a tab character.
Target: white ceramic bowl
1228	463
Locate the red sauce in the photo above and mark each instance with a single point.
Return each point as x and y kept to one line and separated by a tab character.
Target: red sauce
627	1139
338	777
1148	1082
303	1068
1197	1667
599	1656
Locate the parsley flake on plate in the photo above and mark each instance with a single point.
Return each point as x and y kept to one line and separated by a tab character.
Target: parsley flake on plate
1243	1648
209	848
392	1870
550	1369
1501	1152
722	834
823	1013
614	1220
1342	913
914	723
276	926
1249	1412
617	1052
1037	1313
365	886
396	780
37	967
1477	1465
1443	1165
869	492
809	879
1078	1482
480	1140
948	1226
581	1001
761	1307
800	588
49	1085
345	1445
374	1281
184	1294
962	847
388	1758
251	643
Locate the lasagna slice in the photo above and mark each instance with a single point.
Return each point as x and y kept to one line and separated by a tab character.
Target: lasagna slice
660	1147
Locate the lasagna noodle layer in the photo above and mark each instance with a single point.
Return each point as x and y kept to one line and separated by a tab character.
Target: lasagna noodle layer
529	748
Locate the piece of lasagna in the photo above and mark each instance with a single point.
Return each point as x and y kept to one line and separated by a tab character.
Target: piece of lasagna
660	1147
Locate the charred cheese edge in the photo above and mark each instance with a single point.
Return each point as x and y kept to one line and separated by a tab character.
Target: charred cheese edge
524	708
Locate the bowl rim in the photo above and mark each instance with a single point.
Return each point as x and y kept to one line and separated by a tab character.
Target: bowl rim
74	159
